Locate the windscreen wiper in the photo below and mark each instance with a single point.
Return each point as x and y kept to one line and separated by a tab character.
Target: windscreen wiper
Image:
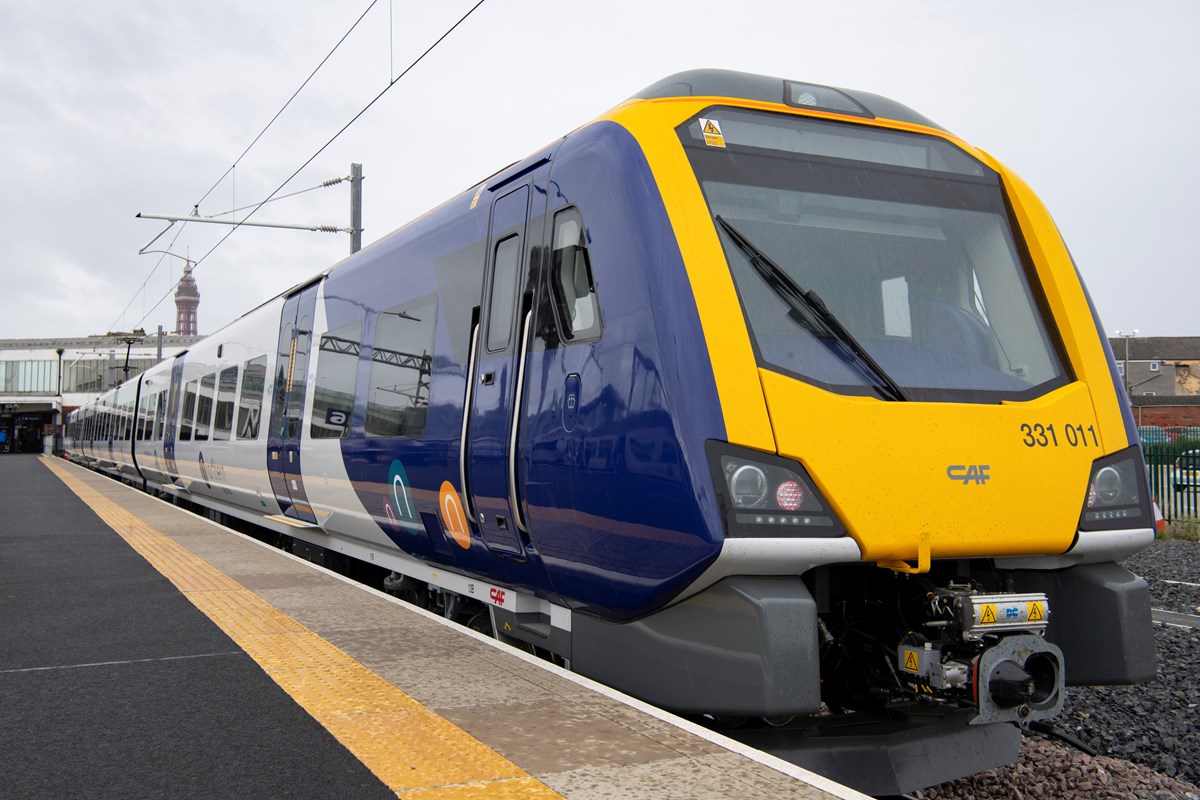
807	306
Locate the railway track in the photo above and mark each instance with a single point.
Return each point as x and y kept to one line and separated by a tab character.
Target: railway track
1175	601
1174	618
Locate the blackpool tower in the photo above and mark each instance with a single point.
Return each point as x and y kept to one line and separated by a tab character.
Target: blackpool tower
187	300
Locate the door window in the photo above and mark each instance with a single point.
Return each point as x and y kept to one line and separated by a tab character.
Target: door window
504	290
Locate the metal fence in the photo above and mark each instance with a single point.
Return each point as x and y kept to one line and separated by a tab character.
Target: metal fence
1175	475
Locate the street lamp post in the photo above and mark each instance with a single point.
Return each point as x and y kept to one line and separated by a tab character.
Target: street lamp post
59	428
1127	336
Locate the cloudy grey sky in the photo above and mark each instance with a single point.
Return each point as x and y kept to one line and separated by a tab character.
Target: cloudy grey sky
113	108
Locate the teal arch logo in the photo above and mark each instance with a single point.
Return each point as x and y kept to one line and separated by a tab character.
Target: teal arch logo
399	507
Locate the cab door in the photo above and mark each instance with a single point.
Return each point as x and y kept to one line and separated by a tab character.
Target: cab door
493	402
287	404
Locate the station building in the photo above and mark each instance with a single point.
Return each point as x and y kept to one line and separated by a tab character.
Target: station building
43	380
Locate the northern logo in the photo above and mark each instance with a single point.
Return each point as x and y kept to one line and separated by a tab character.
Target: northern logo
977	473
399	508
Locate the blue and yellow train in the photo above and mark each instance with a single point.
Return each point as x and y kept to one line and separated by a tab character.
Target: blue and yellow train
748	396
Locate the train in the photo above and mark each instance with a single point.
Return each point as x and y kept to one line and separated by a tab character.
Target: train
753	398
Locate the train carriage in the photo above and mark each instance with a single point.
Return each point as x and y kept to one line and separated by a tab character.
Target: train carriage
749	396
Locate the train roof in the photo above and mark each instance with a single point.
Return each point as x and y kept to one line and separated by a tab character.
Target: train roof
747	86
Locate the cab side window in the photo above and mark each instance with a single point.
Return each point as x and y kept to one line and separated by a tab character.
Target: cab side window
571	281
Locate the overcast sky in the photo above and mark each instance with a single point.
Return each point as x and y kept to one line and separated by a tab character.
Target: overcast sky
112	108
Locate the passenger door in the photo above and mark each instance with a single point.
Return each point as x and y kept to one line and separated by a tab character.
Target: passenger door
172	422
493	401
287	404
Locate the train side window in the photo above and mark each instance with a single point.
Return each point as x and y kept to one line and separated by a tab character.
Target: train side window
401	366
504	290
204	407
226	398
337	373
571	278
145	417
189	411
254	378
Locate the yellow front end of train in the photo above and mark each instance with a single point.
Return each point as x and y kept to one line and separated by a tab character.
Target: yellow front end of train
975	437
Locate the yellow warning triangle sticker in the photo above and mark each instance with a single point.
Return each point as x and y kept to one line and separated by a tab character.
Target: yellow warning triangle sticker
710	129
910	661
1035	612
989	615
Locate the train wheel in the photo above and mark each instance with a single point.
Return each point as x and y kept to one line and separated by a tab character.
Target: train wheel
481	622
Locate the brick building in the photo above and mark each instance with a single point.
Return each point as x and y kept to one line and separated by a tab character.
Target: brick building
1162	377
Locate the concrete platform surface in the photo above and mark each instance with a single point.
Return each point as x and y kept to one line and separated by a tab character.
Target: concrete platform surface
147	652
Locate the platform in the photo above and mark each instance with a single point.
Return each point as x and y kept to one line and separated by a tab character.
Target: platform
147	652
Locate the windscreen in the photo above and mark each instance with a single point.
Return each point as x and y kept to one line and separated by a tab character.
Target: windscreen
904	240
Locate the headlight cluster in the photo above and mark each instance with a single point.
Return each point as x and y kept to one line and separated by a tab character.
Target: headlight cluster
764	495
1117	496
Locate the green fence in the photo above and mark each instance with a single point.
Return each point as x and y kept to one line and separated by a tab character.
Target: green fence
1174	471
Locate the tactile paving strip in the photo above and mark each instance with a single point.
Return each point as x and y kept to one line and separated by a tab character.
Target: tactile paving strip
414	751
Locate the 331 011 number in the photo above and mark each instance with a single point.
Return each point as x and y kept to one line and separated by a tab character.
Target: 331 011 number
1039	435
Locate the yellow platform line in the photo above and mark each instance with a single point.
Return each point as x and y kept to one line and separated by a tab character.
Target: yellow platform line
414	751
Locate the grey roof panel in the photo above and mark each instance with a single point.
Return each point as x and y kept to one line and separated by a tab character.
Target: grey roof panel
728	83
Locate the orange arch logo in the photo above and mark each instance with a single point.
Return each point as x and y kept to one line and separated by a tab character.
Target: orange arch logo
453	517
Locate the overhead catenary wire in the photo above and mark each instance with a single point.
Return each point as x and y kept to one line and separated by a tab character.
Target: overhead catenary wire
321	149
278	113
233	166
145	283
